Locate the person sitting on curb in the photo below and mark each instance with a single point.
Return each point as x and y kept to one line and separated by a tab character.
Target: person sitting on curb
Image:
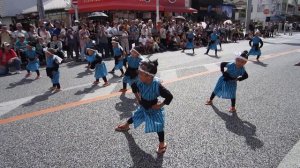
8	59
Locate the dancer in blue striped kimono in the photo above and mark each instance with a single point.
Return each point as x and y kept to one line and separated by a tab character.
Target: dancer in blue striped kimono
256	44
98	65
227	83
52	68
212	45
90	58
33	61
190	41
118	55
131	74
147	90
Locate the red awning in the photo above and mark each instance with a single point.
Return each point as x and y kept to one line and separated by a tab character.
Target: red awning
133	5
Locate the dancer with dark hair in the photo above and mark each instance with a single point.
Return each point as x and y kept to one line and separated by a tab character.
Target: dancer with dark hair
98	65
147	90
52	68
131	74
227	83
212	45
256	44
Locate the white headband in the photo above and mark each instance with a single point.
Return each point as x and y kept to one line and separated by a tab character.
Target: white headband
135	51
238	56
148	73
242	58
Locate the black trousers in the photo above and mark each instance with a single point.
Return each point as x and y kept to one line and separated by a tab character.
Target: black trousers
161	135
213	95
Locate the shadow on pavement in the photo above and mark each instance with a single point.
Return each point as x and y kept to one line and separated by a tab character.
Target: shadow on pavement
88	90
213	56
21	82
39	98
126	106
190	54
239	127
84	73
139	157
259	63
297	64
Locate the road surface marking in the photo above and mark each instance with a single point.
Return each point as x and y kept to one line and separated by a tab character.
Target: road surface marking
100	91
292	159
10	105
168	74
103	97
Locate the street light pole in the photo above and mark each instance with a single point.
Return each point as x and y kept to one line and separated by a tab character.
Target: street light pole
40	8
157	11
248	15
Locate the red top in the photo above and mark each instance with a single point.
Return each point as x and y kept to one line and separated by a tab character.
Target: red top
4	58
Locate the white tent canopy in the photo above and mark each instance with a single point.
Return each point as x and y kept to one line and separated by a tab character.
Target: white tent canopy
49	5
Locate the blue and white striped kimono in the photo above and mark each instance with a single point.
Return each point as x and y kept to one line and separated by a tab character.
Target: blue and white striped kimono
227	89
213	44
133	64
190	42
33	62
255	50
118	52
100	70
51	61
90	58
154	119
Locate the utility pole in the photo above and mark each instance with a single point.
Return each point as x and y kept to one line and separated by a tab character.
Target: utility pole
248	15
157	11
40	9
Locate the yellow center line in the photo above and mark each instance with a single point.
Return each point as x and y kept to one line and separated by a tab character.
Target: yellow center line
114	94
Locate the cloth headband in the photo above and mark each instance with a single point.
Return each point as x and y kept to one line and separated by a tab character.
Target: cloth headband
148	73
242	58
136	51
238	56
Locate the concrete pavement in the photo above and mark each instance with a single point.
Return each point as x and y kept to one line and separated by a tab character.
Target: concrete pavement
264	131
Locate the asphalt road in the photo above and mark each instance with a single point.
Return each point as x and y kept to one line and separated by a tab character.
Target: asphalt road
75	127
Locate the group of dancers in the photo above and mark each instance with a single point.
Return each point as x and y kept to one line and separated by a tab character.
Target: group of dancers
214	40
140	74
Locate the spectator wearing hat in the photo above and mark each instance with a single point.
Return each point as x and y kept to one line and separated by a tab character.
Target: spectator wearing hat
8	59
20	47
44	33
5	35
19	31
32	34
32	59
56	44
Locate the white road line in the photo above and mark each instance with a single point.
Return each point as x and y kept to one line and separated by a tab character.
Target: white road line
211	67
100	91
292	159
168	74
6	107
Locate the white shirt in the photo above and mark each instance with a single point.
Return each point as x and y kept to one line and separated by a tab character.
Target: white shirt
143	41
163	33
